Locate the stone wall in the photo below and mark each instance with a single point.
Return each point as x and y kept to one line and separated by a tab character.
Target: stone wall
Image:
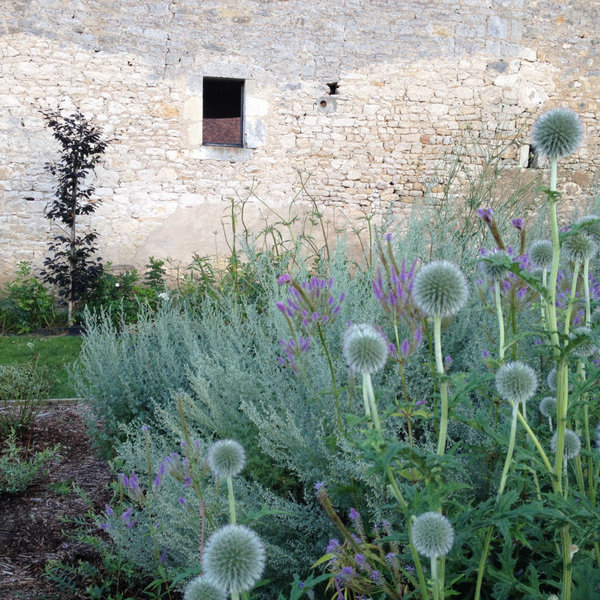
416	78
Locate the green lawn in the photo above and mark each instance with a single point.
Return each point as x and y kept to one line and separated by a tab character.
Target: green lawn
52	353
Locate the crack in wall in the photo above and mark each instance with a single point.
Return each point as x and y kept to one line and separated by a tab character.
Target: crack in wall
172	10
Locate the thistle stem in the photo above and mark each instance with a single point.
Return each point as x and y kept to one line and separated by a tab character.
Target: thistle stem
439	365
500	317
231	500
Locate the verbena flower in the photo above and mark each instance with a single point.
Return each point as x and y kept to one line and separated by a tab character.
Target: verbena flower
440	289
200	589
572	445
540	254
587	347
233	559
548	406
557	133
580	247
226	458
432	534
516	382
365	349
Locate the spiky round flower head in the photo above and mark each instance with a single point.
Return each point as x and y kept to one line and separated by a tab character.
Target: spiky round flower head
572	445
591	225
548	406
551	380
557	133
432	534
364	348
440	289
595	316
493	271
200	589
233	559
580	247
226	458
540	254
516	382
587	347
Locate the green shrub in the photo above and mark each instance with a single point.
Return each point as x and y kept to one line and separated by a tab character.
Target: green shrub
23	392
27	303
122	373
17	470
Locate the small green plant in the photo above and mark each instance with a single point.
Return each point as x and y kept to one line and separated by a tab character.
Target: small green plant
23	393
17	470
27	303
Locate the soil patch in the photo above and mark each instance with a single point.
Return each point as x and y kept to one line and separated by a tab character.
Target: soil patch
35	524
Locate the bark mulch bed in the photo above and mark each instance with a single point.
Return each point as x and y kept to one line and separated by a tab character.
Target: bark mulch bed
33	529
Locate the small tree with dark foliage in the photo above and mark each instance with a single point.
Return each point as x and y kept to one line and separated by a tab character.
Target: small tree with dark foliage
71	265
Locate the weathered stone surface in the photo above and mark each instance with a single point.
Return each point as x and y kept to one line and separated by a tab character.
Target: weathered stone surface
415	78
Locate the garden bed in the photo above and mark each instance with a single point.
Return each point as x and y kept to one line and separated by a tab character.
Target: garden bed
35	524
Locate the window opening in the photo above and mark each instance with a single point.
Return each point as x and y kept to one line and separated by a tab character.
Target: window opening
333	88
222	116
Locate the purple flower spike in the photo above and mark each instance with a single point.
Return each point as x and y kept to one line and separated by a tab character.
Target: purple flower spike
486	215
405	347
285	278
518	224
354	515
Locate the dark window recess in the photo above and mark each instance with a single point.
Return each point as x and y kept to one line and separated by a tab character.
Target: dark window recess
222	123
333	88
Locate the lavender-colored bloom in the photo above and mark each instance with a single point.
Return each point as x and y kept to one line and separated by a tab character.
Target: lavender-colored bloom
518	224
181	500
332	546
109	511
105	526
354	515
360	560
388	237
319	485
163	556
376	576
447	363
285	278
144	428
391	559
405	347
485	214
347	572
187	482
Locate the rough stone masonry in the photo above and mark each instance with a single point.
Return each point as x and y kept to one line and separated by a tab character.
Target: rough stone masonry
412	79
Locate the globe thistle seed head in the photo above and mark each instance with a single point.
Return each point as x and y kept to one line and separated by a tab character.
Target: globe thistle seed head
557	133
540	254
432	534
580	247
516	382
572	445
233	559
493	271
365	349
226	458
587	348
200	589
440	289
591	225
548	406
552	380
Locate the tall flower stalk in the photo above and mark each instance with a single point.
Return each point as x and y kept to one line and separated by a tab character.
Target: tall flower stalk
557	134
